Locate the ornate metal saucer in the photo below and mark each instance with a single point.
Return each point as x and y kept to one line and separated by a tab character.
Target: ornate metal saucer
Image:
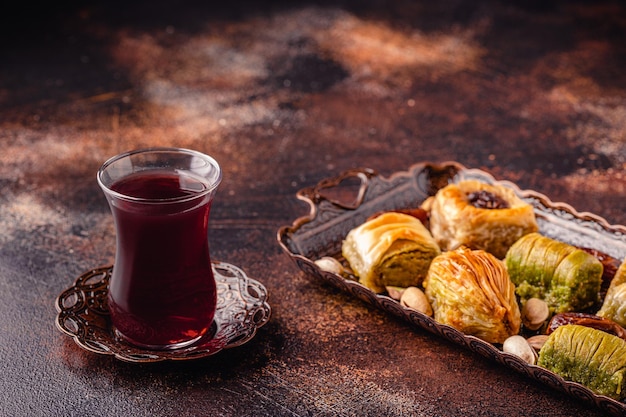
242	308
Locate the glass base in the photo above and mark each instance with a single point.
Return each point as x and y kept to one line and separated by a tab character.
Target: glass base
173	346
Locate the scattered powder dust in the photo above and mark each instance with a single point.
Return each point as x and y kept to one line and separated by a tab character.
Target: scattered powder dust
205	85
607	133
23	212
373	46
24	150
138	54
603	182
199	92
575	91
205	111
343	392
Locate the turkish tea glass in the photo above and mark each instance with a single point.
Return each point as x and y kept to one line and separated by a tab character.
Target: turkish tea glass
162	292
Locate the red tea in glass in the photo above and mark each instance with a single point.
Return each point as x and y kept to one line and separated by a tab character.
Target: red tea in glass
162	293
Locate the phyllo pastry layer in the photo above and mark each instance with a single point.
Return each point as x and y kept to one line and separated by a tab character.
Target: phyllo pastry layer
614	305
479	216
393	249
470	290
566	277
591	357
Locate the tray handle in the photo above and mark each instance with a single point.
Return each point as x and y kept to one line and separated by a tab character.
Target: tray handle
347	190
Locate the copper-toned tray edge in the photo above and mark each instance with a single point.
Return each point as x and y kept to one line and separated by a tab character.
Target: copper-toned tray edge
313	198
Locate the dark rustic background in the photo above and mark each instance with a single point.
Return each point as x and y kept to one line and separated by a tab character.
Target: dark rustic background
284	94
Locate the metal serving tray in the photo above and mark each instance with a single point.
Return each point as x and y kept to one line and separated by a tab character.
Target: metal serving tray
339	204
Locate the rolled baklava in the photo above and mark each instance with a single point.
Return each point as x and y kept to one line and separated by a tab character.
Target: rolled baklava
566	277
392	249
591	357
614	304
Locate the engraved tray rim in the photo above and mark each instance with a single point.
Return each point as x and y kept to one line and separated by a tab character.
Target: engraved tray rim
242	308
302	242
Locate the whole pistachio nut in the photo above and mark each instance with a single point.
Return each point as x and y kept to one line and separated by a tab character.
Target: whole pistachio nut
535	312
395	292
519	346
415	298
330	264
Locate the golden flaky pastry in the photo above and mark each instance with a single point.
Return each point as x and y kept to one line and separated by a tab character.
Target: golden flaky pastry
471	291
393	249
479	216
614	305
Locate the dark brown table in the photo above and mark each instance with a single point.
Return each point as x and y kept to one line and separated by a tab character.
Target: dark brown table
284	94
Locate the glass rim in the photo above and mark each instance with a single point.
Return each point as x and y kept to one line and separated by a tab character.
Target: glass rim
160	149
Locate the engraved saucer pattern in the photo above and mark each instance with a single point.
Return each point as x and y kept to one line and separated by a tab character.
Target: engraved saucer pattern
242	308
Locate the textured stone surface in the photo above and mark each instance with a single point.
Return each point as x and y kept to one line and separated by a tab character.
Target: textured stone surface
285	94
